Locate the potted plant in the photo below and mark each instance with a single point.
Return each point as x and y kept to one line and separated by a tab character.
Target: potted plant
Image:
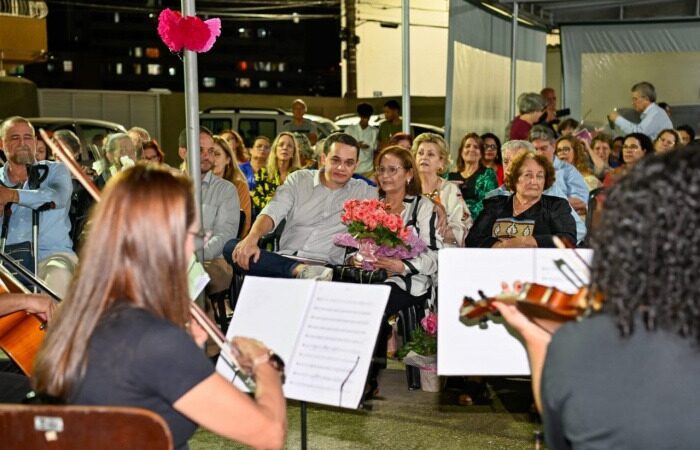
421	351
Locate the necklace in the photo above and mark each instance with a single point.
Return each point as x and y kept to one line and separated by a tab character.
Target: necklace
524	206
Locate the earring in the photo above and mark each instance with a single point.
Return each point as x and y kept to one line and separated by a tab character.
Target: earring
408	182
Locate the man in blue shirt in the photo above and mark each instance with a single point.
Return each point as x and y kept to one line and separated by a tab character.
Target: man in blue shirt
653	117
568	179
55	254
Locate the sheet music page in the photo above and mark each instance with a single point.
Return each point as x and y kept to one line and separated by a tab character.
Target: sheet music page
270	310
470	350
331	358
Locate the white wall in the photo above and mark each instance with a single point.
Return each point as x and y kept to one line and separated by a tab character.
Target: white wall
379	51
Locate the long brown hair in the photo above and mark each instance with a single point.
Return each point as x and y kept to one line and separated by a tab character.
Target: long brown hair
122	260
231	172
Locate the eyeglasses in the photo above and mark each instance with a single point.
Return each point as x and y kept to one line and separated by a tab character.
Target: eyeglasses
563	149
388	170
490	147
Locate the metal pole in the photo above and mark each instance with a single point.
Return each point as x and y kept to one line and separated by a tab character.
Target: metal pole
303	426
351	46
513	61
406	65
192	113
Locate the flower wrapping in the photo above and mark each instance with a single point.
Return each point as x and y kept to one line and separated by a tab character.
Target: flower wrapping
370	220
191	32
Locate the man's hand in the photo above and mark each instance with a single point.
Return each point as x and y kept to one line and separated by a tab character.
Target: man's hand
612	116
246	249
41	305
8	195
579	205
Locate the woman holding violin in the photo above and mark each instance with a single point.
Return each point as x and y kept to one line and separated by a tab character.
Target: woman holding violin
123	335
526	219
628	377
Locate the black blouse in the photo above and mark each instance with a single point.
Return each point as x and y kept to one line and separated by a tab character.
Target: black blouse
550	216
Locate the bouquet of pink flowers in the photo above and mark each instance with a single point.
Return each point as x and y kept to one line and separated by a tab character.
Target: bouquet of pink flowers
423	342
376	232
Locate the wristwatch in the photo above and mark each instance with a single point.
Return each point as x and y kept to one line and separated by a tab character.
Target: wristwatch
274	360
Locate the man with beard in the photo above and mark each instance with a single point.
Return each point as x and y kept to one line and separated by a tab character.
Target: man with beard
220	213
56	259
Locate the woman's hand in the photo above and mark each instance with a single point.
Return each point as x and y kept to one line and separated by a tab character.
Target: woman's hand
516	242
442	226
394	265
248	351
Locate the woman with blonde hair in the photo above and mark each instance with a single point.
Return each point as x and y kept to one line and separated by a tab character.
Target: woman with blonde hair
283	160
123	335
226	167
432	160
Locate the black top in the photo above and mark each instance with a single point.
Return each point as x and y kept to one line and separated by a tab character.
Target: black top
603	391
550	216
136	359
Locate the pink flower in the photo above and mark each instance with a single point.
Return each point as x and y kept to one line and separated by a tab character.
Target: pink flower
429	324
191	33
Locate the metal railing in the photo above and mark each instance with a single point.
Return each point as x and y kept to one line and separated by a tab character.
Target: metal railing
24	8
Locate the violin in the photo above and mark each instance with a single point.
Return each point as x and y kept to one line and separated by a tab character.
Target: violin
536	301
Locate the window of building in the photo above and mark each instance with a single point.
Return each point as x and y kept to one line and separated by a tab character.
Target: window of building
263	84
137	69
243	82
153	69
209	82
67	65
152	52
171	71
119	68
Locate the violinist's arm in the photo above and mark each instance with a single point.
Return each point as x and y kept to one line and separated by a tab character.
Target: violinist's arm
217	405
536	341
41	305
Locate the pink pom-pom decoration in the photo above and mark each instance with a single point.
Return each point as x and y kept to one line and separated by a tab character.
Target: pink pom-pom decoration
191	33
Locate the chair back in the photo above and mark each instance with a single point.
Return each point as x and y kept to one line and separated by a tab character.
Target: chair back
40	427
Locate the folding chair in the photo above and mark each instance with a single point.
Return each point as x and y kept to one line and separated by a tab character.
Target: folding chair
39	427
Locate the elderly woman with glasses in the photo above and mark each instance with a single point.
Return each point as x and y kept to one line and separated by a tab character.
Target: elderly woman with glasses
527	218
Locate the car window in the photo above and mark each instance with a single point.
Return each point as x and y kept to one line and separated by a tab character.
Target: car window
249	129
217	125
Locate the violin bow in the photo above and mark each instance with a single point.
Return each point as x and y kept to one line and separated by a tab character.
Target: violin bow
196	312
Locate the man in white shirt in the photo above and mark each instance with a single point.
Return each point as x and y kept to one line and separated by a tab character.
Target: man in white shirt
653	117
311	201
366	137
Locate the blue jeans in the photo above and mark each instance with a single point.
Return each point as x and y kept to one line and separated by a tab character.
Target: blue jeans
270	264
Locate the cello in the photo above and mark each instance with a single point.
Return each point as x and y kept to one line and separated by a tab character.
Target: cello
21	333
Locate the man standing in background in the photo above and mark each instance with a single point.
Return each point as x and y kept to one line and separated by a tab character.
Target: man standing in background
653	117
366	136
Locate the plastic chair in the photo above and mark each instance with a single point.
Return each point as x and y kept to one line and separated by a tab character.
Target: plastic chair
39	427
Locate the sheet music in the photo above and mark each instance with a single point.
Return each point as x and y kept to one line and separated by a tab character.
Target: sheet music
335	347
270	310
470	350
325	332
